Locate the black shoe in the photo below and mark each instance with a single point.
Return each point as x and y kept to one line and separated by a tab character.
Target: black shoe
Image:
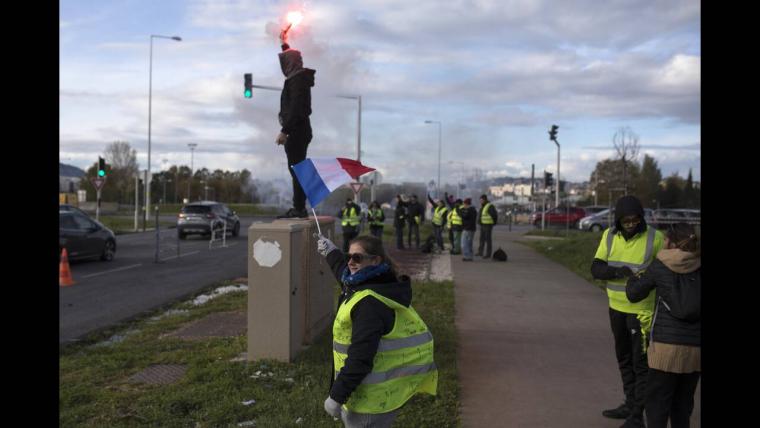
621	412
634	421
466	260
294	213
487	257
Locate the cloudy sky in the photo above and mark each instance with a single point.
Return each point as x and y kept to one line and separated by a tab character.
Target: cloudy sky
496	74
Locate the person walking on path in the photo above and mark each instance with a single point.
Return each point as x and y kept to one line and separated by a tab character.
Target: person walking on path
628	247
469	220
674	353
350	217
399	220
487	217
376	219
439	220
382	349
415	215
295	109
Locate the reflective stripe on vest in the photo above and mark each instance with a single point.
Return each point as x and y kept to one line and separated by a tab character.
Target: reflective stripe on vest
403	365
350	219
376	215
438	215
486	218
631	258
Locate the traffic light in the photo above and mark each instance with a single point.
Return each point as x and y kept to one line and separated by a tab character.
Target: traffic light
553	133
248	85
548	180
101	167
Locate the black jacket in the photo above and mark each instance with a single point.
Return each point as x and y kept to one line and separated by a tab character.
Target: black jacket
667	328
469	217
415	209
371	320
295	106
399	216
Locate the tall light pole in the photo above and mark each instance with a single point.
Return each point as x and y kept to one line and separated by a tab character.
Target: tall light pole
150	111
358	132
192	150
553	137
438	183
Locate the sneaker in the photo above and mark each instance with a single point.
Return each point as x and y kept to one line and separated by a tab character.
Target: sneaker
621	412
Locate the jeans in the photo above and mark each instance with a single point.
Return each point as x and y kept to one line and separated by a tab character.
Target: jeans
414	228
670	395
438	232
467	237
485	240
366	420
632	362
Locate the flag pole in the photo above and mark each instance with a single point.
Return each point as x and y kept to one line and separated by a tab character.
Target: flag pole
316	220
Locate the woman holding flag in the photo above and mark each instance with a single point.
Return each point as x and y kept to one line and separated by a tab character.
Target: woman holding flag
382	349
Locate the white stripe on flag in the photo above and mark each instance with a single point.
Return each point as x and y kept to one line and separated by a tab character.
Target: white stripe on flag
331	172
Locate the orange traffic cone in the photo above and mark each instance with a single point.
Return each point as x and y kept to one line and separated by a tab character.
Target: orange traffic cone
64	273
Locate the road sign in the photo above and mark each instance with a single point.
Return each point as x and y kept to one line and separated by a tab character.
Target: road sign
357	187
98	182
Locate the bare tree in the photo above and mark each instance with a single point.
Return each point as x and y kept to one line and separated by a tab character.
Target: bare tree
122	160
626	144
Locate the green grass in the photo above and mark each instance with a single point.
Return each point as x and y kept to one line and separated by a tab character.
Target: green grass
121	225
556	232
576	252
94	391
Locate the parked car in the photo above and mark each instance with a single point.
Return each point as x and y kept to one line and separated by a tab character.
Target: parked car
559	216
601	220
84	237
666	216
593	209
204	216
71	208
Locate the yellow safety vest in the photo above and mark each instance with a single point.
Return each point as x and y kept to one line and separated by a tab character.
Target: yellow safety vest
454	218
403	365
438	215
351	219
376	215
486	218
636	253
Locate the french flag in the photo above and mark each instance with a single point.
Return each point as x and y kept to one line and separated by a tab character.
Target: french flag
320	176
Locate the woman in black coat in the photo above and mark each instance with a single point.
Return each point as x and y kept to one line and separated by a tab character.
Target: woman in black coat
674	355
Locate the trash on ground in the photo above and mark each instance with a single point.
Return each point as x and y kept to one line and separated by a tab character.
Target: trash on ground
249	402
299	420
251	423
203	298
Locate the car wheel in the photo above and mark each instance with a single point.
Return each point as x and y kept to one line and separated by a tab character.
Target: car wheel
109	251
595	228
236	229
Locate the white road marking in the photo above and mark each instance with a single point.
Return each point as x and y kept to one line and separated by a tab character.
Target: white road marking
181	255
112	270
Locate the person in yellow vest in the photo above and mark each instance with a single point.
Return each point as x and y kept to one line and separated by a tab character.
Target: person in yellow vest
627	248
454	222
382	349
376	219
440	214
350	217
487	217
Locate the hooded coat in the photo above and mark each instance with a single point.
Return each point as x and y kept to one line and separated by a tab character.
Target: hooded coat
626	206
295	99
371	319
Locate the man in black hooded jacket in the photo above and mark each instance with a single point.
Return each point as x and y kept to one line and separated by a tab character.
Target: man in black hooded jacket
295	108
627	248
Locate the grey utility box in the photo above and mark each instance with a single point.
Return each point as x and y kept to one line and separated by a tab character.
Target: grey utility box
290	287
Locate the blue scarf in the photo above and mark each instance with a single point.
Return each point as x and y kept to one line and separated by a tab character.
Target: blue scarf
364	274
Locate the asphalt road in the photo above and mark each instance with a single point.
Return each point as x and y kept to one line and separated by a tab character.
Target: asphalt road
106	293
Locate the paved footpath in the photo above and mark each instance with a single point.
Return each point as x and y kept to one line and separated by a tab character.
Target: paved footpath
535	346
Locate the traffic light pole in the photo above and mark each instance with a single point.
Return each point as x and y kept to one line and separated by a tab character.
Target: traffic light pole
97	207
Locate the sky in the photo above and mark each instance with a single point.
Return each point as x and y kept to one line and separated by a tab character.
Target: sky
496	74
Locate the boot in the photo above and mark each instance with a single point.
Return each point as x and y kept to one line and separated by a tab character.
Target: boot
621	412
294	213
634	421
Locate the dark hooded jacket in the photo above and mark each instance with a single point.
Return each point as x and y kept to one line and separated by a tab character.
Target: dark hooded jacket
371	319
295	100
626	206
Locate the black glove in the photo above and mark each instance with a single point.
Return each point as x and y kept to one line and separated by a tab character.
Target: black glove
623	272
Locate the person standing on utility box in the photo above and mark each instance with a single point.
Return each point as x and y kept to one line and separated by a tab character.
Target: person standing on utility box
382	349
626	248
487	217
295	108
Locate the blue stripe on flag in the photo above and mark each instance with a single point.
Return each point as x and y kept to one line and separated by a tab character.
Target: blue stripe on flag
312	184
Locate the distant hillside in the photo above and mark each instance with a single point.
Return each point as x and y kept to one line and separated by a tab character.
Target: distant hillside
69	171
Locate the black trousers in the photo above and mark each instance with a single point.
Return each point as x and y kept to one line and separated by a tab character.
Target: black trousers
376	231
295	149
414	228
438	231
400	237
670	395
632	361
485	240
349	233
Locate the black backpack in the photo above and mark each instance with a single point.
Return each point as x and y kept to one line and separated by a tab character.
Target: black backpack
428	245
500	255
685	302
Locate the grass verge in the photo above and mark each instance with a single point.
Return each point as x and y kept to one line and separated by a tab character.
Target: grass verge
122	225
94	390
576	252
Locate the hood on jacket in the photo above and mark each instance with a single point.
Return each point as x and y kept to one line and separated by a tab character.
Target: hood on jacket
290	62
387	285
679	261
625	206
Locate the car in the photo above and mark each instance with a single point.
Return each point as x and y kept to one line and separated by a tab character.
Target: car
593	209
204	216
84	237
667	216
559	216
71	208
601	220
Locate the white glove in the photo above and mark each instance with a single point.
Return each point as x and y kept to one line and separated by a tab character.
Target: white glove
332	407
325	246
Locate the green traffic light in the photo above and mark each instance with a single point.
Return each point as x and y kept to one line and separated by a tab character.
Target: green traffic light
248	93
102	173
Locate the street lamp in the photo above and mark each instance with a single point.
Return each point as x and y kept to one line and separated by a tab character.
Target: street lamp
553	137
438	183
192	150
358	132
150	111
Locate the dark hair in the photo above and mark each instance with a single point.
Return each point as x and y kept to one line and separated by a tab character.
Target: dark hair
374	246
684	237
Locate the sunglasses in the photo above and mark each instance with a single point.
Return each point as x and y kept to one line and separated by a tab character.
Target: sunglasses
358	257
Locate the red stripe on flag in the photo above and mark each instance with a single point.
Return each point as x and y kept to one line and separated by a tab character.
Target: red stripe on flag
354	168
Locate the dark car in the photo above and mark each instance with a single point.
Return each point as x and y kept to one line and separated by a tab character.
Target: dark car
204	216
84	237
71	208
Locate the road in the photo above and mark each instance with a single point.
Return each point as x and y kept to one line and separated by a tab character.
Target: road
106	293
